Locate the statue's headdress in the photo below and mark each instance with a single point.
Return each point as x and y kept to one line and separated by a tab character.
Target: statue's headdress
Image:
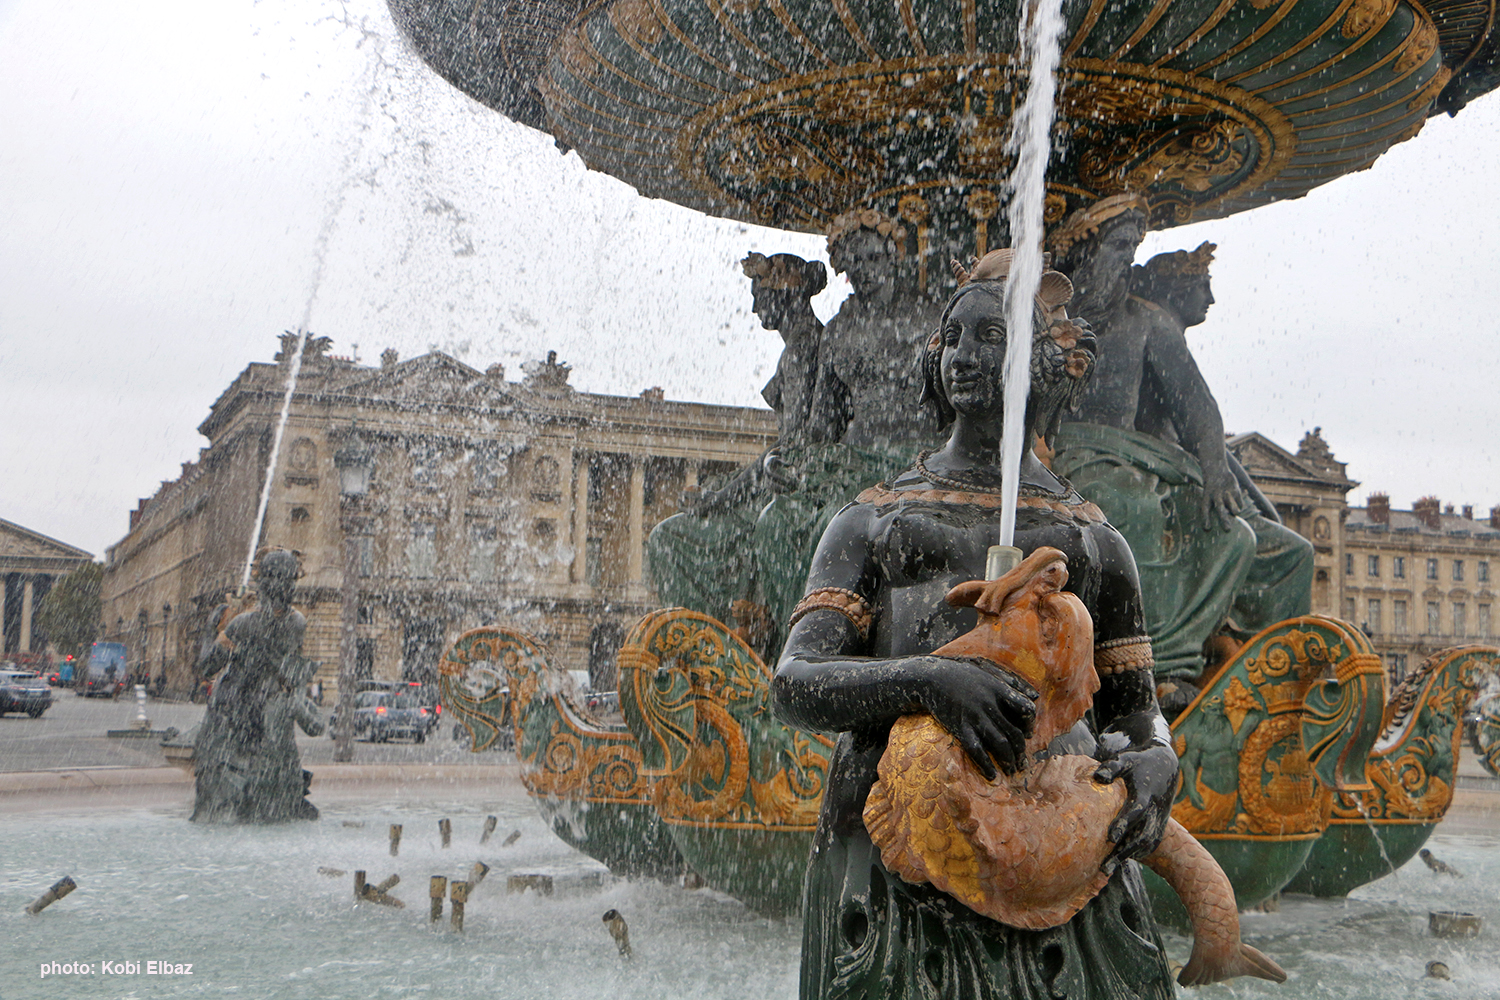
279	556
849	223
1055	291
1182	263
1086	221
783	271
1063	349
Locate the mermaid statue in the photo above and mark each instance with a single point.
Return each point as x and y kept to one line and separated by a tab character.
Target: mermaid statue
864	651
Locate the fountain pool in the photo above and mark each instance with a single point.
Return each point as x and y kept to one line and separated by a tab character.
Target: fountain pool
249	909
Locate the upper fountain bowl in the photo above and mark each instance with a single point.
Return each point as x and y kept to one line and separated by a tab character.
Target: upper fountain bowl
790	112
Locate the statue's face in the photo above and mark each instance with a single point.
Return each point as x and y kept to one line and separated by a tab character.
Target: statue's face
974	355
1191	299
865	256
277	578
772	305
1102	275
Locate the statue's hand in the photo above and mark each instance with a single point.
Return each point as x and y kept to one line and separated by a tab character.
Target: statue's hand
1222	500
989	712
703	502
782	475
1151	783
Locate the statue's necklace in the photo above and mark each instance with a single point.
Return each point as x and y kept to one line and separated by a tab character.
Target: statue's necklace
962	486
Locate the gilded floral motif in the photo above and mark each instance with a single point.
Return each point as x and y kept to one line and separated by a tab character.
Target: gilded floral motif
717	758
1412	774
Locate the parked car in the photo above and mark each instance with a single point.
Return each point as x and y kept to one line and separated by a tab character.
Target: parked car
24	691
63	675
383	715
103	673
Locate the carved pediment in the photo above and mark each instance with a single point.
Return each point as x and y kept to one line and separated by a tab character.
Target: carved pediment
21	546
1263	457
433	377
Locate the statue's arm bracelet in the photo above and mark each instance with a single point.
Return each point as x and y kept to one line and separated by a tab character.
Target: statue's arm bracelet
1116	656
845	602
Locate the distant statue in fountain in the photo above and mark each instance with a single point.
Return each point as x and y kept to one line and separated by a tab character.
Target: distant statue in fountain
1147	445
861	654
245	755
844	399
875	341
869	378
704	558
782	287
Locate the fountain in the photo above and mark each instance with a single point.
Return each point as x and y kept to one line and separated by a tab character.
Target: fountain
893	122
896	126
249	909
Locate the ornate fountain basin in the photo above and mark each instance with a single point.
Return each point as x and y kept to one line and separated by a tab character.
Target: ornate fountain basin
789	112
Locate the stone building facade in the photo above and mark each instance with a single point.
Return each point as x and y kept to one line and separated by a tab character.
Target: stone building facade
528	503
1419	580
488	501
1308	490
30	562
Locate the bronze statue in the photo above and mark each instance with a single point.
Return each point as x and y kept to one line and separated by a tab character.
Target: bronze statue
1030	848
247	769
743	550
1147	445
860	655
875	341
703	557
782	287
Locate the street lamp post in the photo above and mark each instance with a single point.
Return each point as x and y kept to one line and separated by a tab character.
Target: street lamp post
355	462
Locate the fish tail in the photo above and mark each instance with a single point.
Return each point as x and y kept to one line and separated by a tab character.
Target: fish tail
1218	952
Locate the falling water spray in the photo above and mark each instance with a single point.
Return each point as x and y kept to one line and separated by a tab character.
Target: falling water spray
1030	142
286	408
320	258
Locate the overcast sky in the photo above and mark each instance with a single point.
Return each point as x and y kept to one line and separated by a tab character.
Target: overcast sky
181	181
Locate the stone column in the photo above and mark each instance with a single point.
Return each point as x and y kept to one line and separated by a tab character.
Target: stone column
26	616
580	517
636	520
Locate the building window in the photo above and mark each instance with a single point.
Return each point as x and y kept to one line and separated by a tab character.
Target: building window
1482	571
421	551
1484	621
1458	571
1351	609
487	468
1460	620
1432	618
425	460
484	543
1398	617
1372	567
1432	569
364	615
1398	667
364	659
300	515
1372	621
364	551
1398	567
546	480
1348	564
544	530
593	559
